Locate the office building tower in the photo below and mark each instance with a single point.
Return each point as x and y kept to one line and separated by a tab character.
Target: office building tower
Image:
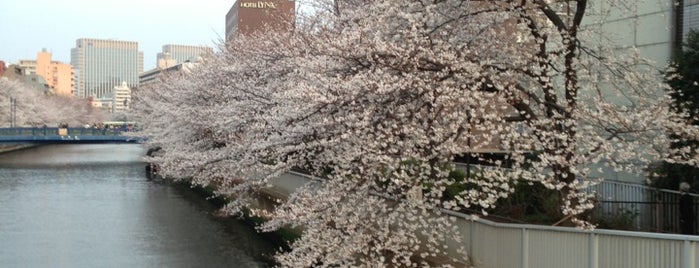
100	65
247	17
176	54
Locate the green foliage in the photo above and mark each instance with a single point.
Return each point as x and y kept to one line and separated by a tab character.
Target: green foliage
530	203
683	78
622	220
456	188
670	175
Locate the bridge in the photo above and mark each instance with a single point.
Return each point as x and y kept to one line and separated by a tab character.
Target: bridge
77	135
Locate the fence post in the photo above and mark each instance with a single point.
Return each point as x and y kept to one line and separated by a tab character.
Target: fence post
525	248
687	255
661	222
470	244
592	248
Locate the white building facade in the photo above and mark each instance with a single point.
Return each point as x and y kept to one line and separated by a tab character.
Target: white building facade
122	97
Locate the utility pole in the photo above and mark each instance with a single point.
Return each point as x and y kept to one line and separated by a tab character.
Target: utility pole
13	112
468	143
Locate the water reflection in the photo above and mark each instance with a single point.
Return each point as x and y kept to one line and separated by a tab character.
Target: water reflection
91	206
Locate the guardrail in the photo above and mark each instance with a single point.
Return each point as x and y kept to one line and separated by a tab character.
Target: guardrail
50	131
492	244
65	135
654	209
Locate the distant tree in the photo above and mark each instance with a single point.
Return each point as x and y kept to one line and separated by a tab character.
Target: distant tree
34	108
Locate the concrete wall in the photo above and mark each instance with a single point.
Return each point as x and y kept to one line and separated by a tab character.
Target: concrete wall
644	24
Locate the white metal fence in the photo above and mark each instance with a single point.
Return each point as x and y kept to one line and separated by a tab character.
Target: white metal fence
504	245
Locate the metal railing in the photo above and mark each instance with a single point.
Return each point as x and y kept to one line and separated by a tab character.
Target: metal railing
48	131
653	209
491	244
66	135
650	209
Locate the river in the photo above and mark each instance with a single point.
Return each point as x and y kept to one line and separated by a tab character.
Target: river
92	206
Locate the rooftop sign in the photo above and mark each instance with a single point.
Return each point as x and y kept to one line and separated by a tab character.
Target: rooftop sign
259	4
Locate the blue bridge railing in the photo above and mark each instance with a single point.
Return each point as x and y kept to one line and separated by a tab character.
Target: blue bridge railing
66	135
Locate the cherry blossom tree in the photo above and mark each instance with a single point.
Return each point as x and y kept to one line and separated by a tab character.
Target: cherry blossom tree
34	108
10	91
376	98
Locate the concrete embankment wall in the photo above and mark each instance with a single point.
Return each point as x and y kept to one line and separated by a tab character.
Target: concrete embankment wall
15	147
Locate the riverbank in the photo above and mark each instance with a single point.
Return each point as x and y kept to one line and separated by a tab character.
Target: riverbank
280	238
15	147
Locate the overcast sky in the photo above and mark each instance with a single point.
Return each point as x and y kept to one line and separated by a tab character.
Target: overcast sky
27	26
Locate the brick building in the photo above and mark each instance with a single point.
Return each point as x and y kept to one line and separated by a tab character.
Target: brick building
248	16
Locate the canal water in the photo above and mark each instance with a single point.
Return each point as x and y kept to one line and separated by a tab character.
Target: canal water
92	206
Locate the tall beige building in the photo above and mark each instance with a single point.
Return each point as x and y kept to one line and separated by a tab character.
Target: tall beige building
62	79
100	65
58	75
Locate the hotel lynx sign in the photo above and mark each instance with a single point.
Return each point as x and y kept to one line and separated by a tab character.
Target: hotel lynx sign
260	4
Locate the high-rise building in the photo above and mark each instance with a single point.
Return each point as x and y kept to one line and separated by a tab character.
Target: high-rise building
100	65
176	54
248	16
